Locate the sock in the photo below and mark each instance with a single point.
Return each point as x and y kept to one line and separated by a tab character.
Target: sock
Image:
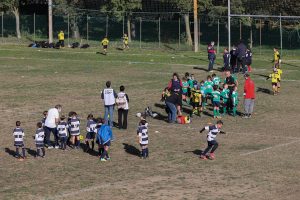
23	152
93	145
234	111
43	150
77	143
278	89
17	152
87	144
38	153
215	112
147	152
224	110
103	154
143	153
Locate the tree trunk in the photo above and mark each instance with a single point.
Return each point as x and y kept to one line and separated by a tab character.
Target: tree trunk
189	40
75	29
17	16
128	29
251	38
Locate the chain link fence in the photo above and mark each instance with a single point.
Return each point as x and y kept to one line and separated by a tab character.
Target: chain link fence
156	30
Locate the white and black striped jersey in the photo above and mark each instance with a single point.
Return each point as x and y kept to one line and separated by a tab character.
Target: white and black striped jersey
91	126
18	134
74	126
143	134
212	132
39	136
62	129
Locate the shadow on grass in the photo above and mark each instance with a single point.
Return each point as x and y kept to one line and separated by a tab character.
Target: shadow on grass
261	75
263	90
31	152
120	49
197	152
131	150
10	152
101	53
292	65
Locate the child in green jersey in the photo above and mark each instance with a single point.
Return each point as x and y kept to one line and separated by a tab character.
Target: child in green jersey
185	86
215	79
235	100
225	96
208	88
203	94
216	101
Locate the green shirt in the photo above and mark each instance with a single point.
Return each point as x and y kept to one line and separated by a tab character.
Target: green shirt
191	83
216	95
235	99
185	86
225	95
208	87
216	80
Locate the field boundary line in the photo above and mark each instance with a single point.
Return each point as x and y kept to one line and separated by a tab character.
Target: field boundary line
268	148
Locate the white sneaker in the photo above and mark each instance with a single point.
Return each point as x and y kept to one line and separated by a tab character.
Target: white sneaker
50	147
56	147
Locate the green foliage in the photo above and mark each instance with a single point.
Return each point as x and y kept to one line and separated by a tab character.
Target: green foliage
9	5
120	8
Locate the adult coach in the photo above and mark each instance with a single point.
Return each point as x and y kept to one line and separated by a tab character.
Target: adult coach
241	52
249	96
109	96
51	122
230	81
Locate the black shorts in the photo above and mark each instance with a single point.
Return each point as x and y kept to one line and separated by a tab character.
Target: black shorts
274	84
104	46
216	103
107	144
90	135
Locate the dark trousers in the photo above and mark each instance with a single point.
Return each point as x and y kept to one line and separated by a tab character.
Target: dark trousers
62	43
211	145
211	64
122	114
241	65
47	135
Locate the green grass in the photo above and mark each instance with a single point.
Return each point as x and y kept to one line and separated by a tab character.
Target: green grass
33	80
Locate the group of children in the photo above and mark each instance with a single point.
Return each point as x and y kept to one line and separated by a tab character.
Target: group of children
276	73
197	95
105	43
230	60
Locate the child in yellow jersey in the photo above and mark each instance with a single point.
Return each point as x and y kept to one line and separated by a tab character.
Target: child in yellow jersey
279	71
104	44
125	41
275	79
196	101
276	60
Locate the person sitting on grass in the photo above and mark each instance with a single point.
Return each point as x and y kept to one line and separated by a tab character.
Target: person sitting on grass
212	143
142	133
18	134
105	136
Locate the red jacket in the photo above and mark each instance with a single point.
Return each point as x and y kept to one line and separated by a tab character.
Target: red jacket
249	89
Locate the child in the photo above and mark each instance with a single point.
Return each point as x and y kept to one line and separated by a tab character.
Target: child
203	97
39	140
122	102
226	60
185	86
208	87
215	79
125	41
62	129
45	113
248	59
196	101
104	44
279	71
276	60
75	130
275	79
212	143
105	136
142	133
225	96
99	122
18	134
233	60
91	131
235	100
216	101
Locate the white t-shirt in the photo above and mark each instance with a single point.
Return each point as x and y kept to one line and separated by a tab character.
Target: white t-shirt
52	115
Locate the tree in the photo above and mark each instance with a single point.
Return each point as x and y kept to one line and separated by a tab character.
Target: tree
124	8
13	6
69	8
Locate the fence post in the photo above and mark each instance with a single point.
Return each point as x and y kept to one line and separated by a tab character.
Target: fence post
87	28
34	26
280	35
106	27
260	36
123	25
199	33
2	13
179	32
229	31
140	32
159	32
68	29
218	47
240	29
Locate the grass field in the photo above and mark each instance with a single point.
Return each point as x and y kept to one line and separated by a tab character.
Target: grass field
257	159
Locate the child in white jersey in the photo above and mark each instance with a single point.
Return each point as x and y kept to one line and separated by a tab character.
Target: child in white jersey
18	134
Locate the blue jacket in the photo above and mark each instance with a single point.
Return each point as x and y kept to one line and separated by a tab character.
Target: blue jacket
105	134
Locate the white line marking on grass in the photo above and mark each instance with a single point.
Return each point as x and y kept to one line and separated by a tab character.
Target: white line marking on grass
268	148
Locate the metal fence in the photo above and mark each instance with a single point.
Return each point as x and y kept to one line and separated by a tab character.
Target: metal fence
157	30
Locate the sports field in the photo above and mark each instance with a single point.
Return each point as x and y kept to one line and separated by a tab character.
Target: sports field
258	158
